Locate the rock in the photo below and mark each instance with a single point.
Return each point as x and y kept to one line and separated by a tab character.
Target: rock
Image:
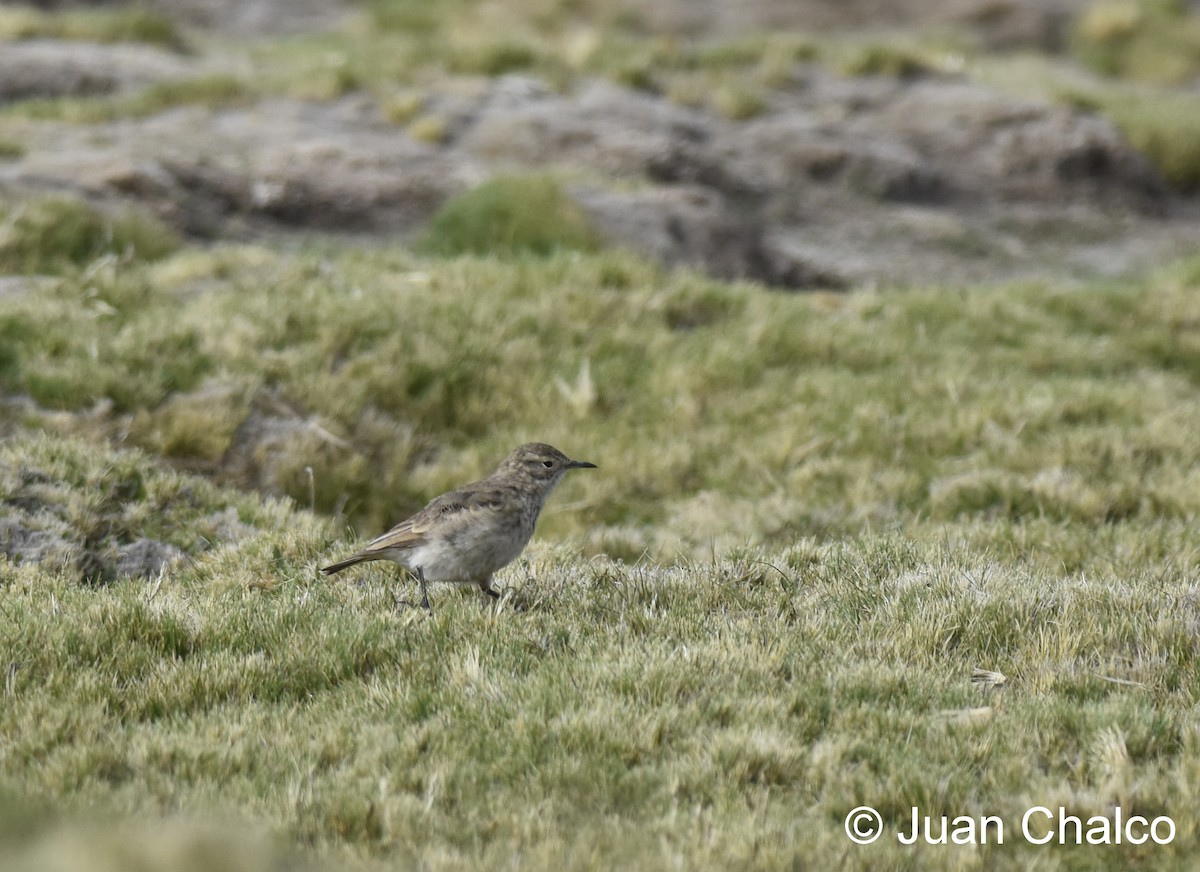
262	453
609	129
228	527
46	68
1015	149
999	23
282	163
145	558
23	543
841	181
677	225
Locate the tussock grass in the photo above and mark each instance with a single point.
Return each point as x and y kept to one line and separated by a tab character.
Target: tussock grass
214	91
11	149
1146	40
129	24
58	233
893	60
713	713
722	414
853	506
507	215
1164	127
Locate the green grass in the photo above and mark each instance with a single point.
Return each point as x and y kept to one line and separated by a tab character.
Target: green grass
1146	40
816	519
851	503
214	91
507	215
132	24
887	59
1164	127
811	415
722	713
56	234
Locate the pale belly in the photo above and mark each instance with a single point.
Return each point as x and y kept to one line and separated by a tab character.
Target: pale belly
469	557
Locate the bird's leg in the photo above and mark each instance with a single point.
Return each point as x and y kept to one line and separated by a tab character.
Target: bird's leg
486	587
424	592
420	576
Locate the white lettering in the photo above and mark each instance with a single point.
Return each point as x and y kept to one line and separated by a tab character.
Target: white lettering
912	833
1100	831
1129	834
991	820
1170	830
1027	833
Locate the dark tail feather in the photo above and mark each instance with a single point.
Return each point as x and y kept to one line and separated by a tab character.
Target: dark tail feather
349	561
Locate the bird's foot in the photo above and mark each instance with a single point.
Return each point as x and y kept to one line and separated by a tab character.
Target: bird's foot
509	598
401	604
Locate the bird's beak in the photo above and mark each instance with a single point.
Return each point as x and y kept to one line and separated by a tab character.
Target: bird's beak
580	464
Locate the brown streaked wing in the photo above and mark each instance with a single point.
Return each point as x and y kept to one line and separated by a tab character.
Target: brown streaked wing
466	502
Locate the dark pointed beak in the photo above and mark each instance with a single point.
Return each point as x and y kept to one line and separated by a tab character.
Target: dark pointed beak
580	464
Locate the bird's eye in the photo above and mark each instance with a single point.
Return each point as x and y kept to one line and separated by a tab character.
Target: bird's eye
547	463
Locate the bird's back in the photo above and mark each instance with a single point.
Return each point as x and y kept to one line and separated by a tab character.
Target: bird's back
464	535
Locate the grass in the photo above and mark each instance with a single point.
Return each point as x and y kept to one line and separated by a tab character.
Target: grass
711	713
507	215
1145	40
932	547
1164	127
130	24
11	149
888	59
58	233
850	505
811	415
213	91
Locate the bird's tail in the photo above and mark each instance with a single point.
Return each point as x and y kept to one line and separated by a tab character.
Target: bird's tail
349	561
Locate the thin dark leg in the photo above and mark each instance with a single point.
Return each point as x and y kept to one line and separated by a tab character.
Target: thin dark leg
486	587
424	592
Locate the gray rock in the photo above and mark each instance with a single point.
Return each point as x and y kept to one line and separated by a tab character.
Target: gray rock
676	225
57	68
24	543
145	558
285	163
999	23
842	181
255	16
226	526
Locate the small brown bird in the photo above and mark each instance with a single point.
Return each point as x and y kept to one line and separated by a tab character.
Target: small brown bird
464	536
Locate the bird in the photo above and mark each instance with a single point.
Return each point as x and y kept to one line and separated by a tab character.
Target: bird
464	536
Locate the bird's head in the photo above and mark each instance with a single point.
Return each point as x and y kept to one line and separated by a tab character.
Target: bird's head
540	463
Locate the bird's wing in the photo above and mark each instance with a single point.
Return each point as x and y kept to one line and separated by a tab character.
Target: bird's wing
462	506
